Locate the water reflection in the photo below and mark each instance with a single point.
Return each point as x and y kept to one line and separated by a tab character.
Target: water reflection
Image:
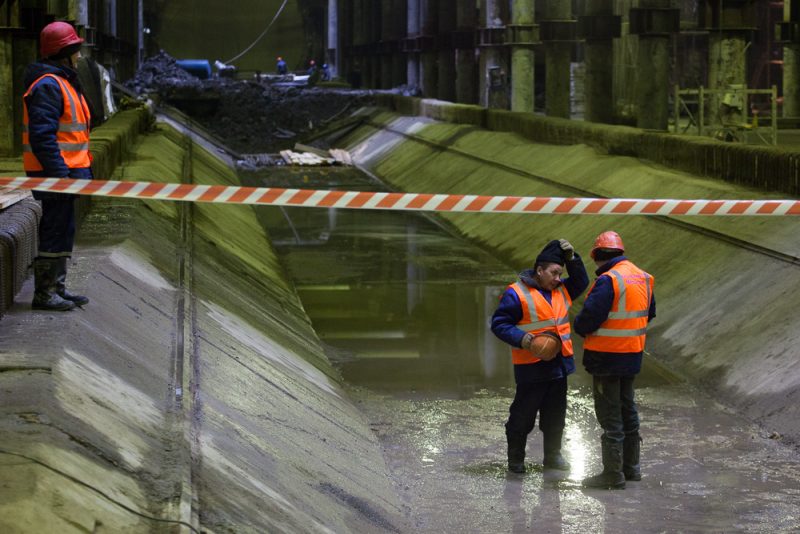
400	302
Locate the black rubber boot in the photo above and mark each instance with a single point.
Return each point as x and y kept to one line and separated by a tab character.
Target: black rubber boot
552	451
630	456
61	285
611	477
516	452
45	296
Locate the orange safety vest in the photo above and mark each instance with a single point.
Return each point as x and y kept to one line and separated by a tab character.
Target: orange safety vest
626	326
539	316
73	129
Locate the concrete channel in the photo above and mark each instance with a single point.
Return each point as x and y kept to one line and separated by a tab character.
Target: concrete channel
294	370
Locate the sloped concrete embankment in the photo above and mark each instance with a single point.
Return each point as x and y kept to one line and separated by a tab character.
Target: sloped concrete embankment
726	315
191	391
766	167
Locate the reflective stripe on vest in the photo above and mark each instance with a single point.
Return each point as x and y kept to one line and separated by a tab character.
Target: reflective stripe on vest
625	329
72	134
539	316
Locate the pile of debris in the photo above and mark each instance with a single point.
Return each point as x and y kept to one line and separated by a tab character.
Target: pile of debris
303	155
309	155
161	73
249	116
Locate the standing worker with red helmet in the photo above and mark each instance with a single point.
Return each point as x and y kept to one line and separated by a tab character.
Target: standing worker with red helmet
531	313
55	139
613	322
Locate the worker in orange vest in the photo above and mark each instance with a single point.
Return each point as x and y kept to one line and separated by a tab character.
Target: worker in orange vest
613	321
531	309
55	139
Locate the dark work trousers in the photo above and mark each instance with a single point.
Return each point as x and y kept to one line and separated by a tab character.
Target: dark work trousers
548	399
57	226
615	407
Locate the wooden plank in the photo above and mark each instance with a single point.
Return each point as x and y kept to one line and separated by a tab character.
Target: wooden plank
287	156
10	196
341	156
314	150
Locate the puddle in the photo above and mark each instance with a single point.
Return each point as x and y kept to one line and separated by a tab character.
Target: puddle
399	302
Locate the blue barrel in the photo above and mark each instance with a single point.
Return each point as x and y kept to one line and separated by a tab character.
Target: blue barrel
200	68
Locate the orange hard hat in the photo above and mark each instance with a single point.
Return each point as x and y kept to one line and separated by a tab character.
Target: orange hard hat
546	345
608	239
55	37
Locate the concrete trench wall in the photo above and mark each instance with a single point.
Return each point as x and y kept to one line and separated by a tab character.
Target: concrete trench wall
92	439
726	315
264	438
764	167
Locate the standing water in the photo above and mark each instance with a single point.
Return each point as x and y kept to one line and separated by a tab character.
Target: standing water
399	302
403	307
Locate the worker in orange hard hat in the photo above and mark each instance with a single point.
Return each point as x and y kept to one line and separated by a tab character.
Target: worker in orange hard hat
55	139
613	321
281	67
538	305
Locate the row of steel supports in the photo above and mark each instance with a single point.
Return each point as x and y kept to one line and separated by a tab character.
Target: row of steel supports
485	52
453	51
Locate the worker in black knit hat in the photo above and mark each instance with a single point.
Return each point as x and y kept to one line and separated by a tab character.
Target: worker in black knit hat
532	313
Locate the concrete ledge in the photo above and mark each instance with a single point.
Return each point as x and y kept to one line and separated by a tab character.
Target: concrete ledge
19	224
767	168
111	142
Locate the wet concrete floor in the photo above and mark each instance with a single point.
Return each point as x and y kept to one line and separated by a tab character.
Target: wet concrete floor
403	307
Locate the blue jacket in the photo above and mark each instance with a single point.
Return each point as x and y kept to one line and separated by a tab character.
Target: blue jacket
45	107
509	314
595	311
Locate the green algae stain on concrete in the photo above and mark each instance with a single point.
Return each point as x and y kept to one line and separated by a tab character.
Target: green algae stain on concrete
279	447
271	402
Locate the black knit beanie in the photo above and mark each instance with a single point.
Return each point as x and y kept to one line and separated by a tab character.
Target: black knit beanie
551	253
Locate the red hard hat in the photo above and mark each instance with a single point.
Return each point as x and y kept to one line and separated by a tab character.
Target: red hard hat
607	240
55	37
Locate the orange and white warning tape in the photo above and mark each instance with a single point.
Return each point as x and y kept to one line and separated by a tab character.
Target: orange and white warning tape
274	196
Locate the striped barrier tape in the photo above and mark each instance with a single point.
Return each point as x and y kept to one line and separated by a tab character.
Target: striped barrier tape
274	196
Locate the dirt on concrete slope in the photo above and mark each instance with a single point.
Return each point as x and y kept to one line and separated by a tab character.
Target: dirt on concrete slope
250	116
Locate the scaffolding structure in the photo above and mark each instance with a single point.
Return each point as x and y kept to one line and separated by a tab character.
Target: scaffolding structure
747	126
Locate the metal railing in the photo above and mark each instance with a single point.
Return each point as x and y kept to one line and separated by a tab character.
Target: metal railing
744	127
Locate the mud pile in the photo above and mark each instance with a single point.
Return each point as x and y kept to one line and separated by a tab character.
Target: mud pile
161	73
249	116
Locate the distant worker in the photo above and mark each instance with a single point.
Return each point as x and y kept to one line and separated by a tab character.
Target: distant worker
55	139
314	73
326	72
530	310
614	320
282	68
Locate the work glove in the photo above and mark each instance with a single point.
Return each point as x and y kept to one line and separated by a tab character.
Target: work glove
526	341
567	249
